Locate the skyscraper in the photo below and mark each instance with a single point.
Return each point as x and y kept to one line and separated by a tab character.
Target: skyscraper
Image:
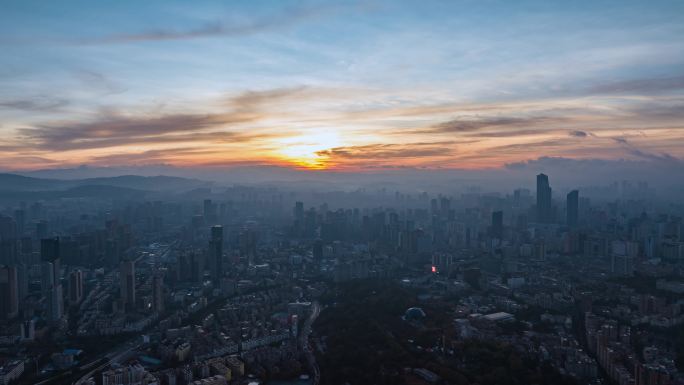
158	293
572	215
127	276
544	213
52	280
75	287
216	252
8	240
9	292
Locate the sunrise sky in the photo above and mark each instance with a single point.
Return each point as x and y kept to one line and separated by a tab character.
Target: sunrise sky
339	86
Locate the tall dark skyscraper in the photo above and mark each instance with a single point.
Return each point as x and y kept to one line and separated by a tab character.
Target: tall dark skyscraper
127	277
572	214
75	287
544	212
49	254
9	292
216	252
497	224
158	293
8	240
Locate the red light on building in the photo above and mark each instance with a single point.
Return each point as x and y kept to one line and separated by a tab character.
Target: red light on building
434	269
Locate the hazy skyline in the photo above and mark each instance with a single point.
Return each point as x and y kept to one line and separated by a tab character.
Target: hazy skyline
348	86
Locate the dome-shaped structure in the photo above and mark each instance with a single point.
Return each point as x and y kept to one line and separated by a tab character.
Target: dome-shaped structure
414	314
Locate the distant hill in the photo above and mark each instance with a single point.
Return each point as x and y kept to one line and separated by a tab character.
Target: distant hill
19	183
13	182
98	191
85	191
149	183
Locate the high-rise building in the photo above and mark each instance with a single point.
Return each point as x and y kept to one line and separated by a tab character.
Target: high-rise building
28	330
572	214
8	240
216	252
22	280
9	292
544	210
158	293
52	280
127	277
318	250
196	261
47	278
56	310
49	252
497	224
75	287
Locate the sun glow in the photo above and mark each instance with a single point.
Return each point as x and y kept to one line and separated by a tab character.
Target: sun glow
303	150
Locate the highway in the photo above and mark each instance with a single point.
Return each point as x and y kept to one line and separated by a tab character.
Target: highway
306	346
115	357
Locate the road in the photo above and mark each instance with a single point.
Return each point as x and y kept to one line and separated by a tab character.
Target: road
114	357
306	346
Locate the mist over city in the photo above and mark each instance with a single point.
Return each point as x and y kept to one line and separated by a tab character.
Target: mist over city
341	192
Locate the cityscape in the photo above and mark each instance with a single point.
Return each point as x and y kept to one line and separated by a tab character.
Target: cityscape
307	192
251	285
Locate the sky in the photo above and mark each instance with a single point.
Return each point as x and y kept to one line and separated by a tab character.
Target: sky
342	86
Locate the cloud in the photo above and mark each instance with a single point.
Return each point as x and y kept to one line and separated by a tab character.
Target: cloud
546	145
509	134
112	129
115	130
389	151
472	125
99	81
640	86
250	99
667	110
578	134
150	156
13	162
554	161
278	20
37	103
639	153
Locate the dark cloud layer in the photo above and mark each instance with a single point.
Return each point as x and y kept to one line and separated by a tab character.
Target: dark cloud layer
389	151
38	103
578	134
120	130
111	129
637	152
496	124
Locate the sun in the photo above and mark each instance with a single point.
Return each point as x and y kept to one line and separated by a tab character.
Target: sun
303	150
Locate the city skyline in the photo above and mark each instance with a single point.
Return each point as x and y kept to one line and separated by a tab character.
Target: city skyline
344	192
350	86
